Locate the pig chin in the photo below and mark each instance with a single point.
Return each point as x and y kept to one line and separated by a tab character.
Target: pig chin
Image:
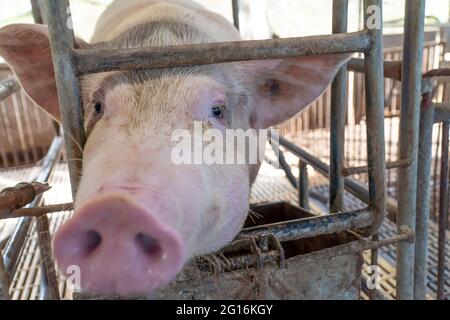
123	243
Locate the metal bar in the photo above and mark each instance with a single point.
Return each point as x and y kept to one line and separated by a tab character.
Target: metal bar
20	195
287	170
423	197
363	169
51	292
337	115
15	242
8	87
374	262
392	69
100	60
409	127
38	211
441	72
62	45
443	211
37	12
235	5
374	84
315	226
303	187
441	112
354	187
4	281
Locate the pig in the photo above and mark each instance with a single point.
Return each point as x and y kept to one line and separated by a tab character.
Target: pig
138	217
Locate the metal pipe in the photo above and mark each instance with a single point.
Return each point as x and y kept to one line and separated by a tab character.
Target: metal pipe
443	211
37	12
337	115
363	169
354	187
15	242
4	281
101	60
303	187
287	170
409	127
50	289
374	84
235	6
423	197
441	112
8	87
315	226
62	45
392	69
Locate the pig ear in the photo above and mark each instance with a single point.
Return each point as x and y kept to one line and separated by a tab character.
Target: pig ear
26	48
281	88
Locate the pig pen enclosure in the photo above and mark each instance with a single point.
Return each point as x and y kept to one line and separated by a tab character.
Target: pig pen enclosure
341	216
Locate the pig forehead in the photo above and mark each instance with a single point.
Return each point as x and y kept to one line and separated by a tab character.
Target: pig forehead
155	85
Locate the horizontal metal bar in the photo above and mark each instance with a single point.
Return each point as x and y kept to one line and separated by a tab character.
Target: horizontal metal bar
442	72
392	69
405	235
363	169
8	87
315	226
100	60
354	187
441	112
38	211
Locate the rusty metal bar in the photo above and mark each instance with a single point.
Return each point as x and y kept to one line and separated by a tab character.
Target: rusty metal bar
315	226
337	116
235	7
363	169
374	84
38	211
392	69
13	247
19	196
443	211
423	197
303	187
285	166
8	87
50	291
409	127
441	72
62	45
101	60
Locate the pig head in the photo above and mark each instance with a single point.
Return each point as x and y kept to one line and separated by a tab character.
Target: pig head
139	217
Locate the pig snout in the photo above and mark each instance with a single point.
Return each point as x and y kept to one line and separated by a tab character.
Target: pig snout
119	246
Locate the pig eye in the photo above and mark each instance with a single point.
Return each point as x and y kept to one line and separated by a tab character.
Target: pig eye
98	107
218	111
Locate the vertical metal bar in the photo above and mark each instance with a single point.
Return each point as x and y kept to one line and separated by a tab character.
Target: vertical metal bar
37	12
338	112
303	187
4	280
235	5
409	129
48	266
62	44
374	82
423	197
443	211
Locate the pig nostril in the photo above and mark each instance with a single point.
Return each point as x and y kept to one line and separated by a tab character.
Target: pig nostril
148	244
92	240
